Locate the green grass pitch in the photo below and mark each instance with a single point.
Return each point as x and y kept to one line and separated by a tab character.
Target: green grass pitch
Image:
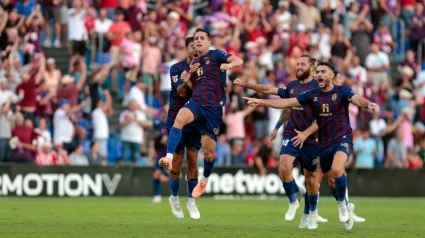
139	217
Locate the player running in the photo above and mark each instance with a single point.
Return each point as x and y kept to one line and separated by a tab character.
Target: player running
190	139
330	107
207	78
301	118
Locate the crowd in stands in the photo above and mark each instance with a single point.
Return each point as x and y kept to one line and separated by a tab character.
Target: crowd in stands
121	51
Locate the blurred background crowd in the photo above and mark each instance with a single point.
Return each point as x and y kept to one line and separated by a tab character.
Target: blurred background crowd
83	81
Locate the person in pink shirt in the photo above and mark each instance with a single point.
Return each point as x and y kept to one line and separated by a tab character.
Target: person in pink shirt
151	60
235	122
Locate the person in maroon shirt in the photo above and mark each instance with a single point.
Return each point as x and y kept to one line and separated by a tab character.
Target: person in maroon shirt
69	90
24	131
27	88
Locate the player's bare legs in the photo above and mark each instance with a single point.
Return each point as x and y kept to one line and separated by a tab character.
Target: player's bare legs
192	181
175	185
286	164
158	178
208	147
184	117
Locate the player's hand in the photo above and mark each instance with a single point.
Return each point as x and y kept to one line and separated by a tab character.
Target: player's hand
240	82
193	67
299	139
225	67
373	107
273	134
184	77
253	102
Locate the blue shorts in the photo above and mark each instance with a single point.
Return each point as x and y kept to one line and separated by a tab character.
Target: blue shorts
327	154
307	156
189	139
209	118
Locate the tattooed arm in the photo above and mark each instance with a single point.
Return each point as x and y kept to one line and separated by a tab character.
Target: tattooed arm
284	117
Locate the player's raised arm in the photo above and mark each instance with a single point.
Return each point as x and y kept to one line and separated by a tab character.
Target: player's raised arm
261	88
359	100
232	62
274	103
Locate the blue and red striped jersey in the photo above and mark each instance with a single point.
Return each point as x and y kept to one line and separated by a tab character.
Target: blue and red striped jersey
177	102
209	82
301	117
331	112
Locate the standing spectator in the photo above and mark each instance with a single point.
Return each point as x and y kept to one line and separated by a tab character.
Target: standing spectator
364	150
263	156
397	152
52	76
383	39
52	11
43	133
151	60
5	130
78	158
377	63
417	27
132	122
361	29
25	134
77	32
378	128
165	83
308	14
100	123
25	7
69	89
109	6
94	156
235	122
101	27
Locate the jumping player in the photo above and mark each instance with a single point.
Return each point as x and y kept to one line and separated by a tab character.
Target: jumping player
300	119
207	78
330	107
190	139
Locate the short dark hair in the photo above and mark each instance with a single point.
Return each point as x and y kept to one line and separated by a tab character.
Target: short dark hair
93	143
311	60
189	40
205	31
327	64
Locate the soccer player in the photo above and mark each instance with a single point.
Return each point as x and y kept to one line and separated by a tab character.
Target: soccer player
190	139
207	78
301	118
330	107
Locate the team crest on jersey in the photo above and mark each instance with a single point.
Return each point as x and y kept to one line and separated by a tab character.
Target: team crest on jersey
292	91
207	60
334	96
315	99
175	78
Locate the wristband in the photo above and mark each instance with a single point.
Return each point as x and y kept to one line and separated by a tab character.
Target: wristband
278	125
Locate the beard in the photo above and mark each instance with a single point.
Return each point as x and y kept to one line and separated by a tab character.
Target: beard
303	76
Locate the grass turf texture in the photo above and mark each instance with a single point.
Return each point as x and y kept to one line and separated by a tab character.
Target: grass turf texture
139	217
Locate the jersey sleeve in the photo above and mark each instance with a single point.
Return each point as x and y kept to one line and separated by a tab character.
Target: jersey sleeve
222	56
175	74
304	98
283	92
347	93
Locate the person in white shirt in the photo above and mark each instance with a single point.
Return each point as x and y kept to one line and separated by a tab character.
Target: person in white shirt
359	75
100	123
137	94
77	31
132	122
78	157
5	93
165	83
44	134
63	127
377	63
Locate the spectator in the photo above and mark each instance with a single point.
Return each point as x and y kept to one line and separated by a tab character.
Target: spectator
77	32
237	156
5	130
62	154
23	141
377	130
417	27
101	27
69	90
25	7
78	158
364	150
397	152
94	156
151	60
308	14
132	122
100	123
165	83
223	152
52	76
45	156
263	157
377	63
44	135
383	39
361	29
53	11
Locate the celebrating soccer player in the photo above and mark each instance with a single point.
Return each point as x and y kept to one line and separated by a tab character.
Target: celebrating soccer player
301	118
207	78
190	139
330	108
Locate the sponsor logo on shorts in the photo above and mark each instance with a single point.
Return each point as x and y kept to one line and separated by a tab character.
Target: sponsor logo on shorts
216	131
316	161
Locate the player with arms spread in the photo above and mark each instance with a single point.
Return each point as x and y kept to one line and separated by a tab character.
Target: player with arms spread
330	107
207	78
190	139
301	118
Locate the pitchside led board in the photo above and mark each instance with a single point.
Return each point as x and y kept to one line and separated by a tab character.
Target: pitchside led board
224	183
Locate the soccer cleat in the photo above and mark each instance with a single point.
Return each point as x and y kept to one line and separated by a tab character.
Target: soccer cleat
343	212
157	199
199	189
290	214
193	211
166	163
312	221
304	221
321	219
349	224
176	209
358	219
